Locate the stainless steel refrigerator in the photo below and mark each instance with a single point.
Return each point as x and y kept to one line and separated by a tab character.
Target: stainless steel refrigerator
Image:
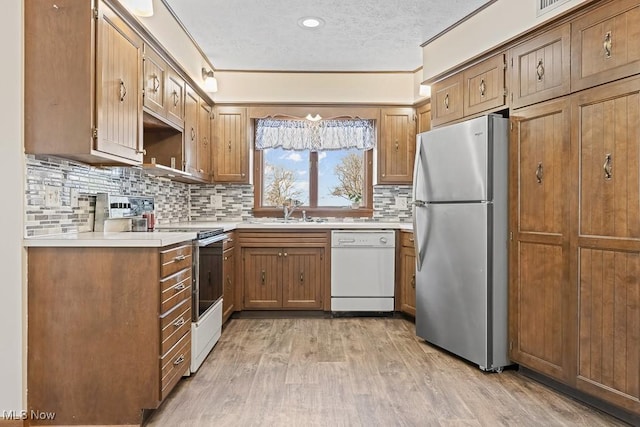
460	233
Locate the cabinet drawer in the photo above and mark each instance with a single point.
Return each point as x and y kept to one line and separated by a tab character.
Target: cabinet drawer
484	86
541	67
447	100
175	289
406	239
174	364
230	242
175	259
605	44
174	325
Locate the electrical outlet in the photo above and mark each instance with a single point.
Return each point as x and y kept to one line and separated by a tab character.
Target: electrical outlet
74	198
217	201
52	196
401	202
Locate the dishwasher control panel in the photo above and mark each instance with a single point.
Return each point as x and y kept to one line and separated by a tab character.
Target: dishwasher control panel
363	238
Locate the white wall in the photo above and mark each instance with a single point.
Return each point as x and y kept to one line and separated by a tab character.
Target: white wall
489	28
11	215
370	88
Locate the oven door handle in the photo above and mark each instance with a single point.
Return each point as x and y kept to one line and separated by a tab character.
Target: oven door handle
212	239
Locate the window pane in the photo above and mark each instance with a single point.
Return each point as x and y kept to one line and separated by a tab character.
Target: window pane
285	176
340	177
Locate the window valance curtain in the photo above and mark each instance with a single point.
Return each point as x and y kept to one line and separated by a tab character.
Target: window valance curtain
315	136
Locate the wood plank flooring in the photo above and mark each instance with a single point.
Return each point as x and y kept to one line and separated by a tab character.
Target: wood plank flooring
355	372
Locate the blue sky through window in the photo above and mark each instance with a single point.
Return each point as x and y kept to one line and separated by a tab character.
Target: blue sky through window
298	163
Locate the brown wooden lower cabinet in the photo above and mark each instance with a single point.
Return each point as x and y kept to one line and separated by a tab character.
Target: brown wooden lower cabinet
108	331
407	274
229	284
285	270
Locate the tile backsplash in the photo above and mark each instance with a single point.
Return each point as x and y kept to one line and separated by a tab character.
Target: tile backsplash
53	185
55	215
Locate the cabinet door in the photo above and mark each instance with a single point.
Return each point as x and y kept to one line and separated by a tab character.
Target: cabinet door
191	105
446	100
230	153
408	280
203	160
262	285
607	248
228	274
397	146
119	87
542	334
424	117
605	44
484	86
302	278
175	98
155	75
541	67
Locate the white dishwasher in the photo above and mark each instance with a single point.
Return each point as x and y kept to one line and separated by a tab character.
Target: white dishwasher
362	270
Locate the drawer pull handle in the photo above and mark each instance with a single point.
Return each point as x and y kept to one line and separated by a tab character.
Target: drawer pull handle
179	322
264	277
482	88
413	281
540	70
193	134
301	277
411	239
176	98
179	360
229	145
607	166
446	102
346	240
179	258
606	44
180	287
539	173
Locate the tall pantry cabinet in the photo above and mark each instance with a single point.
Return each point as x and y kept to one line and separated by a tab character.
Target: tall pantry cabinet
575	203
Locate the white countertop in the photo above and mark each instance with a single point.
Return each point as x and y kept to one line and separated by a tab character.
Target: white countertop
160	238
119	239
280	225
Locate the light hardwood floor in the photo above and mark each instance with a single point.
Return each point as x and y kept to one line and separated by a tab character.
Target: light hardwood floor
355	372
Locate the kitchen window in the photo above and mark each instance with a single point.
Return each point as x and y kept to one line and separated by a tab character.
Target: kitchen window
325	167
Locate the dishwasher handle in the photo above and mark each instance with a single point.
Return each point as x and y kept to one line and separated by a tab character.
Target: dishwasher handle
346	240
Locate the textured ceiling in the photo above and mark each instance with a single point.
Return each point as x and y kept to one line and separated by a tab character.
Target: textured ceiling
358	35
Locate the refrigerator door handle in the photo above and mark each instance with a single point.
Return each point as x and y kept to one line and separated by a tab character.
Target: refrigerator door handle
418	178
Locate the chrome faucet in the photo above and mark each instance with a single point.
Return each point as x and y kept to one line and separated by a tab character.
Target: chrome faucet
287	210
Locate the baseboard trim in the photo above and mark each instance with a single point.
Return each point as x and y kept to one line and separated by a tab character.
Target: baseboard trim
621	414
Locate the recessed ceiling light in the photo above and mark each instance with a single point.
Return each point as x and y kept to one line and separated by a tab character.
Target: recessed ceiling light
310	22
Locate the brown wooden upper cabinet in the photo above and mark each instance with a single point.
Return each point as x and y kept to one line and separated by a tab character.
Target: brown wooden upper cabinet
424	117
446	100
163	89
397	146
541	67
83	83
197	136
605	44
484	87
155	76
230	159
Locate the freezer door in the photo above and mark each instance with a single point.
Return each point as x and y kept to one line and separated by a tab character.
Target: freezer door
452	286
456	163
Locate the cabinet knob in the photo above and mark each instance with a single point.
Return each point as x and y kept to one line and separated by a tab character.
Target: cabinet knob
446	102
156	83
482	88
539	173
123	91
